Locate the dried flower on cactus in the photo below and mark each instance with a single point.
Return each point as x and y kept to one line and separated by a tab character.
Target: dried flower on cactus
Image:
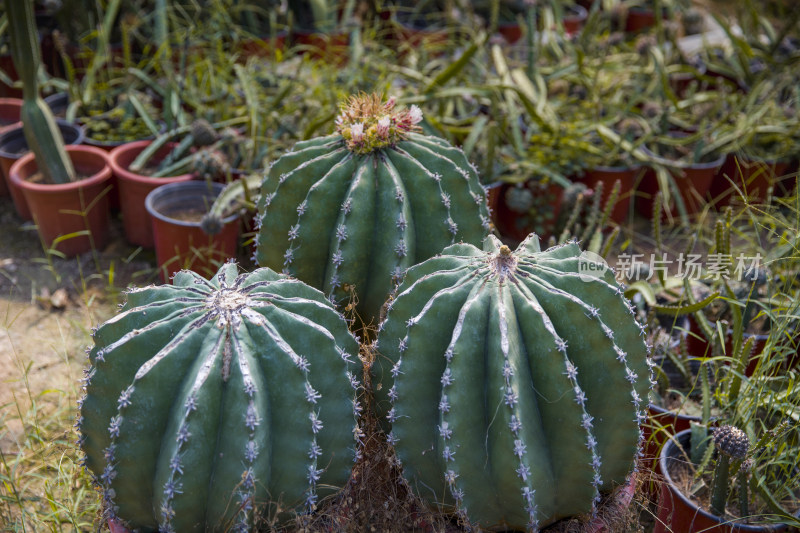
367	123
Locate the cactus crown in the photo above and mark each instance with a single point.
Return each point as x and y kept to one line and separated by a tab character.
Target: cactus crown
203	133
732	441
367	123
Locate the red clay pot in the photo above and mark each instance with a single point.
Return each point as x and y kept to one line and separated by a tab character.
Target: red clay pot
433	38
662	423
697	346
329	47
574	18
693	181
639	19
133	188
9	117
13	146
64	209
515	226
608	177
511	31
264	47
182	244
9	112
7	66
676	513
752	177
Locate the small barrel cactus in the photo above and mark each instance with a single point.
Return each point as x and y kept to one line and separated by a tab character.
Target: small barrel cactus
514	382
733	445
353	210
206	399
732	441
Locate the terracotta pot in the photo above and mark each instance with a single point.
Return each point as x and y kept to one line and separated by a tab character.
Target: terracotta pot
676	513
9	117
640	18
661	425
682	80
332	47
608	177
433	38
697	346
693	182
9	112
264	46
7	66
13	146
514	226
133	188
574	18
752	177
511	31
64	209
182	244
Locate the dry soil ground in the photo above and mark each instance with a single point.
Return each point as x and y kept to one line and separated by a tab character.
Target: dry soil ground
47	310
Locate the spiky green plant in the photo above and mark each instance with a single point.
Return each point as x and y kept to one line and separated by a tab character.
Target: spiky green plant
207	399
355	209
514	382
41	131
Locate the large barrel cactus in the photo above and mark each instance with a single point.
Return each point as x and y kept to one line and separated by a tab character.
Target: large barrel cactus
353	210
208	399
514	382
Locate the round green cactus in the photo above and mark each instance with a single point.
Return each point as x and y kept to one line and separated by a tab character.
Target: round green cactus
353	210
514	382
207	399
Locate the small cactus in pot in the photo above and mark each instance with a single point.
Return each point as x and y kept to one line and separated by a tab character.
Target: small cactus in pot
353	210
208	399
514	382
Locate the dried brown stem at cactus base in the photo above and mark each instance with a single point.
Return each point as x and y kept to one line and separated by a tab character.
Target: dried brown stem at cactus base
378	498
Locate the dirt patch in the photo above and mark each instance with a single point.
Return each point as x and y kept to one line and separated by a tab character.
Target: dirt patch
48	307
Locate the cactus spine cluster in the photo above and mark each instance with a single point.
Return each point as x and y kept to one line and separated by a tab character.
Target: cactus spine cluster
515	381
354	210
208	398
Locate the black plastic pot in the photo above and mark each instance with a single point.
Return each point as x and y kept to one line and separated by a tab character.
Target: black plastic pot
58	103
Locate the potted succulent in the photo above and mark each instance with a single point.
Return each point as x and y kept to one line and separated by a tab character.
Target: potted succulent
317	30
730	470
14	145
129	120
612	159
644	14
141	166
763	140
9	112
69	208
183	237
682	167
